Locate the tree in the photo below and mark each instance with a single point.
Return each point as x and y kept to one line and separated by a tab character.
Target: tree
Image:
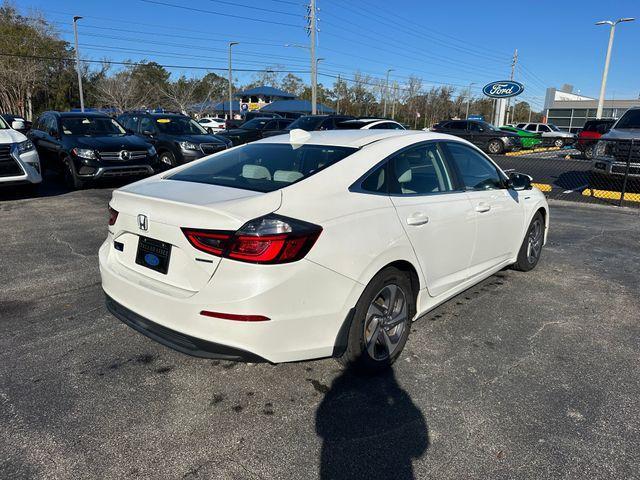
181	94
293	84
120	91
149	79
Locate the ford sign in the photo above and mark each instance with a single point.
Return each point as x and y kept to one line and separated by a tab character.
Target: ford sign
503	89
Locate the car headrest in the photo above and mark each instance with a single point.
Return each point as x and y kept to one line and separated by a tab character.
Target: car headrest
255	172
403	169
288	176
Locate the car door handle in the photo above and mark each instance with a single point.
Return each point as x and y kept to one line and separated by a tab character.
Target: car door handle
417	219
483	207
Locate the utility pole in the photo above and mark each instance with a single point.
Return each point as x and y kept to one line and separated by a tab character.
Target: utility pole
386	93
514	62
75	34
231	44
469	99
603	86
312	47
338	95
393	104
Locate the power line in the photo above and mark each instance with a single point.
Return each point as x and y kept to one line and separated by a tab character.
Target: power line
211	12
252	7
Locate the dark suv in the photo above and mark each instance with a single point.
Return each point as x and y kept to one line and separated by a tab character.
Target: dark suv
313	122
90	146
255	129
482	134
177	138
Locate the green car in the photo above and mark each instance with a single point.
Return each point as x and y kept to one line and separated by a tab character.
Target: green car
529	139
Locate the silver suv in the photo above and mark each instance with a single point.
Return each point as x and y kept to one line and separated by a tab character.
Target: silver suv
619	145
550	133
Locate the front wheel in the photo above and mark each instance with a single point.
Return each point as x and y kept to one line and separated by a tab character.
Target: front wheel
495	147
588	152
167	160
531	247
71	178
381	322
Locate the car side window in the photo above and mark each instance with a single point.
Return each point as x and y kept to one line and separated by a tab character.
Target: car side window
418	171
531	127
146	125
476	172
376	182
272	125
474	127
543	128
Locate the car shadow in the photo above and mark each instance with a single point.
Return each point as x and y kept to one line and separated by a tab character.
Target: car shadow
370	428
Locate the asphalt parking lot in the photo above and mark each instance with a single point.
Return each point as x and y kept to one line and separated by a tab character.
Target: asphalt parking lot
527	375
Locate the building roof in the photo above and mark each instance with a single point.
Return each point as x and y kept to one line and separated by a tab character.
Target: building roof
266	91
295	106
216	106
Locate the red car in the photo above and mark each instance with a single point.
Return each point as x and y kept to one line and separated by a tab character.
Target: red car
590	133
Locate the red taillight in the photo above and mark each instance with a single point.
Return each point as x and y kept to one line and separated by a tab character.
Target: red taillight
113	216
237	318
269	239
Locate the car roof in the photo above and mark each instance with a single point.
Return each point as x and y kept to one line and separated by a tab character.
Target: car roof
355	138
80	114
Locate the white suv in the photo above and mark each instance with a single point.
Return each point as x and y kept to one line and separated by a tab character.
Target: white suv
19	162
558	137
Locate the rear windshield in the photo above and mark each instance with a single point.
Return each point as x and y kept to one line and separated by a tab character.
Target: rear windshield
631	119
307	123
601	126
263	167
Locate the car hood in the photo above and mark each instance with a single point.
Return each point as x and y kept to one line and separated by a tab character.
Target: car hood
622	133
197	139
8	135
108	143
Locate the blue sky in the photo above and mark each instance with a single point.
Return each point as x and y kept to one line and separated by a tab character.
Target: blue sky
453	43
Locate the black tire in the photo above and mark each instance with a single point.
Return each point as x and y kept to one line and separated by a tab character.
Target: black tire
70	176
167	159
558	142
358	352
531	247
495	147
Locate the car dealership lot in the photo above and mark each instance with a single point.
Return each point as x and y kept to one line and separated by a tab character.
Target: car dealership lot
523	376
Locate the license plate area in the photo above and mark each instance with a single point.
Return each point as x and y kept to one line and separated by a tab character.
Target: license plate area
153	254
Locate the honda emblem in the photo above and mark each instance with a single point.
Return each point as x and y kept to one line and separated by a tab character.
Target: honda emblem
143	223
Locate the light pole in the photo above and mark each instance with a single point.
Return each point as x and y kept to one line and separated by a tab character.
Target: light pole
314	72
318	60
231	44
75	34
612	32
469	99
386	93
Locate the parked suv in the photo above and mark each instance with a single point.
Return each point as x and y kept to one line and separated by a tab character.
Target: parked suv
311	123
618	146
177	138
551	135
90	146
482	134
19	163
590	133
255	129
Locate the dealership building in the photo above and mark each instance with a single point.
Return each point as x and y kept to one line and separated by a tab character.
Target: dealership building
569	111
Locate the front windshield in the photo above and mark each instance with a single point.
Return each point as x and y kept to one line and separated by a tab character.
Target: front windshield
631	119
306	123
255	124
554	128
179	126
490	127
91	126
3	125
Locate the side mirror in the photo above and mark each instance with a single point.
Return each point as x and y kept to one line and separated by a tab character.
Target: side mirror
18	125
519	181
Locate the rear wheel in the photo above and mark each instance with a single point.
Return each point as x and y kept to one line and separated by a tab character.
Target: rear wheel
531	247
558	142
495	147
588	152
167	159
381	322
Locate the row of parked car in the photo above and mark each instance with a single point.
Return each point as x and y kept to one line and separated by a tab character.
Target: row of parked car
84	147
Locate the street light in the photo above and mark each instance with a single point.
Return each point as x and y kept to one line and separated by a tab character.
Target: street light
386	93
231	44
612	24
75	33
469	99
314	72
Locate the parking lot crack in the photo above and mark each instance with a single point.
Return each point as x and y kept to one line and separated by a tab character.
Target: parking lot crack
68	245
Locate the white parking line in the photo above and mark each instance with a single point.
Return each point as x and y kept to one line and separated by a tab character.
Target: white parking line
577	189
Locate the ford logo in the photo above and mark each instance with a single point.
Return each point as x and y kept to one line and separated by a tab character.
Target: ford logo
152	260
503	89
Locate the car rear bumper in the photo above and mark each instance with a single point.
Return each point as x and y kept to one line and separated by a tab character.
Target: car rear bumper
306	305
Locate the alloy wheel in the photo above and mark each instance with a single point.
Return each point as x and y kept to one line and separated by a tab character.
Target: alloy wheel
386	320
534	242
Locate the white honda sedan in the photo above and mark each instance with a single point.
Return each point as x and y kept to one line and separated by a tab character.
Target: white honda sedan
314	244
